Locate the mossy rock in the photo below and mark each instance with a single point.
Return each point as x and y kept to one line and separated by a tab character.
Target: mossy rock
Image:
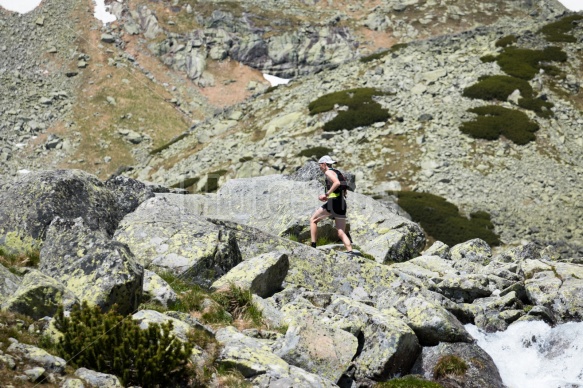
442	220
497	87
559	31
362	109
526	63
493	121
506	41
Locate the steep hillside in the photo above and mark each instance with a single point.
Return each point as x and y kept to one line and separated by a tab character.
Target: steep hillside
531	190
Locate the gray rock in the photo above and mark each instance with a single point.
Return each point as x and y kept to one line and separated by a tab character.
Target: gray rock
29	204
39	295
9	283
318	349
168	232
157	290
144	318
129	193
38	356
101	271
262	275
98	379
107	38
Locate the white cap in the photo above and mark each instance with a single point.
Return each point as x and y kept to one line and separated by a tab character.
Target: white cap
326	159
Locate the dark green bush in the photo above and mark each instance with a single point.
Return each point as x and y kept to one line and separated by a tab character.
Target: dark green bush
488	58
411	381
540	107
441	219
449	365
558	31
525	63
497	87
316	152
506	41
114	344
493	121
362	109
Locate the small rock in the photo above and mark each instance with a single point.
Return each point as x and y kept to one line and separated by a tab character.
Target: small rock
107	38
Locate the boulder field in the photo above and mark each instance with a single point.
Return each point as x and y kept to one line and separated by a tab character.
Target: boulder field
350	322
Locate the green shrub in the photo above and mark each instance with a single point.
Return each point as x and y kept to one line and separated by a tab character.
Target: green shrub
506	41
441	219
497	87
558	31
449	365
540	107
316	152
493	121
488	58
111	343
411	381
186	183
525	63
362	109
382	53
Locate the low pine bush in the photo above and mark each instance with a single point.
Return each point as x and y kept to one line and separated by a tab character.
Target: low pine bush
506	41
559	31
449	365
493	121
525	63
362	109
442	221
497	87
114	344
316	152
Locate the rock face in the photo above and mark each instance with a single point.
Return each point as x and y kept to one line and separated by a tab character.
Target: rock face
95	268
29	204
168	233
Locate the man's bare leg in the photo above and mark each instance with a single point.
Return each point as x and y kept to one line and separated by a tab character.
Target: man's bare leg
318	215
341	227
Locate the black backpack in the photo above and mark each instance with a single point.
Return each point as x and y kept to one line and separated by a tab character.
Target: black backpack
343	182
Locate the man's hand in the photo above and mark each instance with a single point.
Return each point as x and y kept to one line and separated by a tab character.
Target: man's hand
323	197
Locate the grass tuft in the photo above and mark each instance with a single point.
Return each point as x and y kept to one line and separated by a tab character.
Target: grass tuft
449	365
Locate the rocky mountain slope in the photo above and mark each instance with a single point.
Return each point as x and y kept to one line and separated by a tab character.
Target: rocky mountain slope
327	319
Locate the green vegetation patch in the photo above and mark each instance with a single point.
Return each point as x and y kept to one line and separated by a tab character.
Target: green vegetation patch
410	381
13	261
559	31
362	109
114	344
316	152
449	365
506	41
383	53
441	219
526	63
499	87
493	121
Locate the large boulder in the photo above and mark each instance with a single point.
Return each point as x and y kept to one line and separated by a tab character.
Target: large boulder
282	206
129	193
255	360
481	370
157	290
263	275
318	348
95	268
39	296
29	204
168	233
37	356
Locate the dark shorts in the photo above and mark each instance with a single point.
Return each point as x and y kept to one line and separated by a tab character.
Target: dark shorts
336	207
